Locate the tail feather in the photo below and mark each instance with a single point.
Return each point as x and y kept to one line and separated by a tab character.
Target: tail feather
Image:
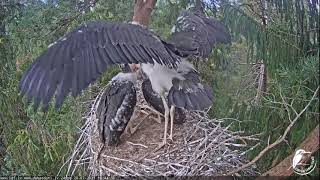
178	98
194	97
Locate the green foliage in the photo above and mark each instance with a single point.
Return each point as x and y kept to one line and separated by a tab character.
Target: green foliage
165	15
272	117
38	143
290	51
282	41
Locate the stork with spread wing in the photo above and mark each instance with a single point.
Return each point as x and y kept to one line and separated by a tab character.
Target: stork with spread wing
77	59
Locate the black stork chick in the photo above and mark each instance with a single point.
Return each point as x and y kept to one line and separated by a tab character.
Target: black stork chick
183	88
116	106
154	100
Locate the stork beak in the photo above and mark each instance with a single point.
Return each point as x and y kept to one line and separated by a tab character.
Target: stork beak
307	152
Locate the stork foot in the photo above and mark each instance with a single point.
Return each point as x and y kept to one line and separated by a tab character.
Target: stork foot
170	137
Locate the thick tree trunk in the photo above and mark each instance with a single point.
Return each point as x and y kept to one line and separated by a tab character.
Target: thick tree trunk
142	11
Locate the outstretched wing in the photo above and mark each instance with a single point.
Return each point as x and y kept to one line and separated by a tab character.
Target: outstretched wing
77	59
196	34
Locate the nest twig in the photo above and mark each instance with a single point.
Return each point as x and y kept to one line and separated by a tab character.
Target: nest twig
202	146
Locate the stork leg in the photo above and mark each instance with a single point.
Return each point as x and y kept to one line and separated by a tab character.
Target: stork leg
172	111
166	119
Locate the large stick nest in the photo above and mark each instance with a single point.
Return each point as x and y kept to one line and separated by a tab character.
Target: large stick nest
201	146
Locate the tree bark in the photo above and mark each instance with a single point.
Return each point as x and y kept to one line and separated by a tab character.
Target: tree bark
142	11
141	15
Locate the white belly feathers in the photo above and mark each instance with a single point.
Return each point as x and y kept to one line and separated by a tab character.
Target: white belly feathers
161	76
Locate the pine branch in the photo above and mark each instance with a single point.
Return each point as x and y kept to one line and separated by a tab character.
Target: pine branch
280	140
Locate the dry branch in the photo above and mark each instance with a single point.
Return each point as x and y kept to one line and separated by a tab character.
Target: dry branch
280	140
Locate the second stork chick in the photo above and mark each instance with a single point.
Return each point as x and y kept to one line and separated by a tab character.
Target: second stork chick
154	100
116	106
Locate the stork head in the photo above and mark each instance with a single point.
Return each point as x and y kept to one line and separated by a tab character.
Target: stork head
125	68
134	67
129	68
137	68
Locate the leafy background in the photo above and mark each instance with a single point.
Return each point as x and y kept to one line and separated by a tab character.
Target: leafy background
282	33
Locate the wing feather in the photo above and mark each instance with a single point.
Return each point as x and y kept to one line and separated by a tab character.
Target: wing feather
193	30
82	72
85	53
143	52
64	86
132	52
24	85
123	58
93	64
104	57
75	77
128	54
115	57
86	61
101	65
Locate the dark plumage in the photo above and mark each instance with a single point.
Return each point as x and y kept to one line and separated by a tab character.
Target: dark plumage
190	93
196	34
116	108
154	100
77	59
